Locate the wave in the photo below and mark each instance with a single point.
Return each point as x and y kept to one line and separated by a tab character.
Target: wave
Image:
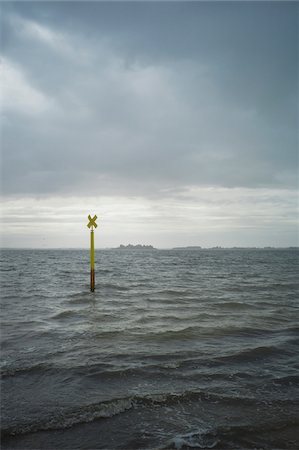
287	380
178	291
114	286
194	331
8	269
171	318
183	333
194	439
101	370
236	436
72	417
110	408
105	270
234	305
235	331
12	371
64	315
78	297
252	354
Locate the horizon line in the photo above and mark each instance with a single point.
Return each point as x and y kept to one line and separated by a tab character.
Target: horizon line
190	247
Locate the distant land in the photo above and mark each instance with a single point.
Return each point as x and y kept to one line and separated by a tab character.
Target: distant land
190	247
151	247
136	247
198	247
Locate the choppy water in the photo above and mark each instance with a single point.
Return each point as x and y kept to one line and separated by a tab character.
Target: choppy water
175	349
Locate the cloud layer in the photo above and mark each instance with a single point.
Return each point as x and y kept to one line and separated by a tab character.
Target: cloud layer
83	113
199	216
149	100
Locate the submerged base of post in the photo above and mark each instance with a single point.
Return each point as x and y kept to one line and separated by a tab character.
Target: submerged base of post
92	280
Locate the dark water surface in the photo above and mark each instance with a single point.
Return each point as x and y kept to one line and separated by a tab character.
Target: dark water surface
175	349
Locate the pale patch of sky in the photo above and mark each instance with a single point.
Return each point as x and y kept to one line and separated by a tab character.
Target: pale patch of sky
198	216
17	92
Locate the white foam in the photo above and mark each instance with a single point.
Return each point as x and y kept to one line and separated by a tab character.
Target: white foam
194	439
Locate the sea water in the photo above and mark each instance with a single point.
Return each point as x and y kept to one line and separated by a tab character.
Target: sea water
174	349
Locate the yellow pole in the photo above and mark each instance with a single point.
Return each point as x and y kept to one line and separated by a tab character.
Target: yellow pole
91	224
92	277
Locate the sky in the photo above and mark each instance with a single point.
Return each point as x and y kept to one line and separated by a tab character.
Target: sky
175	122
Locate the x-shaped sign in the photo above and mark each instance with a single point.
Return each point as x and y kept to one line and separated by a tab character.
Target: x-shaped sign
92	221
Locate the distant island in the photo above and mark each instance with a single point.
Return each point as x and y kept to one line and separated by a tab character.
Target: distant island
218	247
136	247
190	247
197	247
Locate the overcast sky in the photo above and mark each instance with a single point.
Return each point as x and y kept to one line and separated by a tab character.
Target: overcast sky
175	122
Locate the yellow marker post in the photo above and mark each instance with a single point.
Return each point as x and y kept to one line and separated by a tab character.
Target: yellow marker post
91	224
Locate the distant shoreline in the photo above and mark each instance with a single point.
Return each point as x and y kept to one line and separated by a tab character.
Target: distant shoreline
136	247
149	247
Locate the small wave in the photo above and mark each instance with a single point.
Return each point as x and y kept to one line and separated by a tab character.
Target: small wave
8	269
252	354
235	331
79	299
189	332
172	319
195	439
240	436
287	380
12	371
69	418
291	330
179	291
114	286
110	408
110	334
64	315
184	333
159	371
234	305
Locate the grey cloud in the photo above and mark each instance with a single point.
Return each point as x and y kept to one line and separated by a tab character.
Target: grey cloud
161	95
